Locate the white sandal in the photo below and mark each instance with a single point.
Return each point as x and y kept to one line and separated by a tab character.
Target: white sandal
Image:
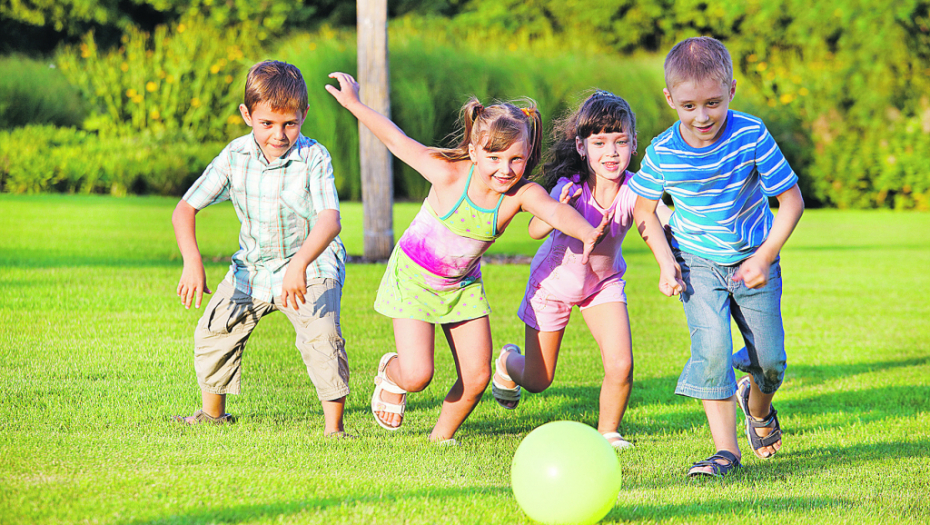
382	383
619	442
502	394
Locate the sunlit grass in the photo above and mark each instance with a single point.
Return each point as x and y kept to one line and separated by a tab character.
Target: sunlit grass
96	355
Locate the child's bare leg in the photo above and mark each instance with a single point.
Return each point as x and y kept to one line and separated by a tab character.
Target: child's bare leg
610	325
213	404
470	342
535	369
721	416
760	406
412	369
332	415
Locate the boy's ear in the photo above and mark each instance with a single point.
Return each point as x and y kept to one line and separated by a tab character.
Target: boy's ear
244	111
303	115
668	97
733	89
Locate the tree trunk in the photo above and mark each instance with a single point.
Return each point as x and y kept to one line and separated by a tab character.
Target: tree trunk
377	177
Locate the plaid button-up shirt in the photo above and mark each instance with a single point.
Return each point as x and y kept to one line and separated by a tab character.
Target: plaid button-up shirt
277	204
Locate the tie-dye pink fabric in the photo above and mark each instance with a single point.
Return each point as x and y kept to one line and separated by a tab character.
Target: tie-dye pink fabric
451	249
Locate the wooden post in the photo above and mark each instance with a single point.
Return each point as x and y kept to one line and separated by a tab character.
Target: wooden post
377	177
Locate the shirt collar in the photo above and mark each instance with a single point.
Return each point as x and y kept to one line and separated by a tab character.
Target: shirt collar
294	153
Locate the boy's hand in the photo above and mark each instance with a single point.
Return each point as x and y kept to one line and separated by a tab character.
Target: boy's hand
295	286
753	272
193	285
347	92
671	282
596	235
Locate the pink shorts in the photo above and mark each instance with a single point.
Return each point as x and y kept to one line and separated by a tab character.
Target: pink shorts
544	311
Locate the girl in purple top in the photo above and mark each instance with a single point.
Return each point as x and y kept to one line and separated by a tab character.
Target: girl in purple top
587	169
434	276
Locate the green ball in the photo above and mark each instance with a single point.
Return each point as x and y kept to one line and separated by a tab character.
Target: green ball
565	472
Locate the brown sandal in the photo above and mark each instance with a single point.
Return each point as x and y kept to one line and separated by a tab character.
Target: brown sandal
202	417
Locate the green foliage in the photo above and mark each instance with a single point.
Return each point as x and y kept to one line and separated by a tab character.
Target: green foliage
38	159
35	92
185	80
432	77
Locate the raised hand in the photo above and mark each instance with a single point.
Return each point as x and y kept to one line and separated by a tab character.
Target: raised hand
347	92
596	236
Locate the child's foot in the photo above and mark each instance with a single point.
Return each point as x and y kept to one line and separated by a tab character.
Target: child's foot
764	434
388	401
718	465
202	417
617	441
338	434
505	391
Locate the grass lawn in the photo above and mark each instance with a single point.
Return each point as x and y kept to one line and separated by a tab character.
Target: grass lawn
96	355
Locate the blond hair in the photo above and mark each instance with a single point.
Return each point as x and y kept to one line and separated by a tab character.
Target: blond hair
277	83
496	128
696	59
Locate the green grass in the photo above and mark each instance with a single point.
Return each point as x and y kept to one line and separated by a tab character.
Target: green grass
96	355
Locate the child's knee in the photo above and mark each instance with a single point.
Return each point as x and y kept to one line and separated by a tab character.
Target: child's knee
536	384
619	371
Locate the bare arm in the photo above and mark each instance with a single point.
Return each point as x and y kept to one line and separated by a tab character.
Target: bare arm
538	228
327	227
193	281
563	217
411	152
650	228
754	271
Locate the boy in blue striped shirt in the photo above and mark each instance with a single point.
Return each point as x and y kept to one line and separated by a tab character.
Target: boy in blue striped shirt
290	257
720	166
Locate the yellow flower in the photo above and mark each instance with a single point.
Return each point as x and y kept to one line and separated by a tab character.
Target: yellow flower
124	67
761	66
232	119
214	69
169	79
85	51
154	114
195	102
151	86
130	93
138	99
787	98
803	92
228	79
221	62
751	58
181	28
312	46
772	103
162	74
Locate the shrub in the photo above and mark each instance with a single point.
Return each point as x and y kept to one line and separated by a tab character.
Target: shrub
35	92
39	159
185	80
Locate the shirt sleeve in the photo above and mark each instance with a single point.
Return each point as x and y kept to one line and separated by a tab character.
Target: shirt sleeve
649	181
213	185
321	183
775	174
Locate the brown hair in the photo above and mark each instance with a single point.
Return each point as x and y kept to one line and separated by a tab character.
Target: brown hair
496	128
602	112
698	58
279	84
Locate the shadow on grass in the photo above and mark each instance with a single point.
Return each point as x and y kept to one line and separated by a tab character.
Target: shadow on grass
727	511
283	510
865	405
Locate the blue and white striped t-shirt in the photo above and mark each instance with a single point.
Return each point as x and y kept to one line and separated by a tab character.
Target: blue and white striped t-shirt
719	191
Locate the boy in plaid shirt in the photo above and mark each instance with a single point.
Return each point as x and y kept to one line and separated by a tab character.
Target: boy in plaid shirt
290	256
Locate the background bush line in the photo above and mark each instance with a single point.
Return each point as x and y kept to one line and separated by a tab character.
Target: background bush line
841	84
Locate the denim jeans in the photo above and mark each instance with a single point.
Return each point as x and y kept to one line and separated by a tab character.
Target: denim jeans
710	298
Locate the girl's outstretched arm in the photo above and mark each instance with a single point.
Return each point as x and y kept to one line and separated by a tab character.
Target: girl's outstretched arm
563	217
538	228
416	155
